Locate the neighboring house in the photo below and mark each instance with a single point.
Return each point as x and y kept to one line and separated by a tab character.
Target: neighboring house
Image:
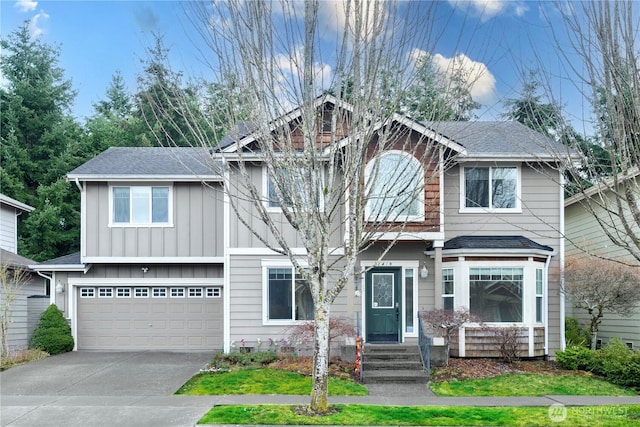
165	263
585	235
31	299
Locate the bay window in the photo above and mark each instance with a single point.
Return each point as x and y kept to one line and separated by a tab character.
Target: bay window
496	294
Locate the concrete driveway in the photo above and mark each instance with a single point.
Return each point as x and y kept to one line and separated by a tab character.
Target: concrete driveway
103	389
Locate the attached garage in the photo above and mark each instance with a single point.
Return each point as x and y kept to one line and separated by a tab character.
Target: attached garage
162	317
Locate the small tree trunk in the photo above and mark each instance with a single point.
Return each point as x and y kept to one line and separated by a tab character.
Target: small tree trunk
320	390
595	322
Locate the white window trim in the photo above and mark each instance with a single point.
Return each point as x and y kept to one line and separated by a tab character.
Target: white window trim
266	265
88	292
141	296
166	292
452	295
124	289
195	290
463	198
400	218
216	292
167	224
184	292
107	290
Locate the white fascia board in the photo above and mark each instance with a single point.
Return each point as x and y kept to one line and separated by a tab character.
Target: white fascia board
61	267
145	178
494	252
430	133
266	251
407	236
16	204
153	260
598	188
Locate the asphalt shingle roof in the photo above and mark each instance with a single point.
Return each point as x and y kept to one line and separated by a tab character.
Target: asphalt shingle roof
15	260
499	139
494	242
149	161
70	259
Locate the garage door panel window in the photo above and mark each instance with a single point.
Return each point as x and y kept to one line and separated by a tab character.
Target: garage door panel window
123	293
87	293
105	292
141	292
213	292
196	293
159	293
177	292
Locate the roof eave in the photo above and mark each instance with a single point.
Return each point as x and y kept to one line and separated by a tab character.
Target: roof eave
494	252
61	267
138	177
16	204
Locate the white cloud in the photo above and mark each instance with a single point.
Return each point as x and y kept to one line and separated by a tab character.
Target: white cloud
333	13
26	5
481	82
487	9
290	68
36	24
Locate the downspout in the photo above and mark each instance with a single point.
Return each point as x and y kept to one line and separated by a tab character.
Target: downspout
562	296
51	291
77	181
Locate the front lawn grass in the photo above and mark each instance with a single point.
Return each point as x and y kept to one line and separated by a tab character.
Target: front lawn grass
530	385
591	416
264	381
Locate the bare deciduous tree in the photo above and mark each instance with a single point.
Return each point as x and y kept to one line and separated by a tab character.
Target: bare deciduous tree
598	45
12	279
328	169
600	286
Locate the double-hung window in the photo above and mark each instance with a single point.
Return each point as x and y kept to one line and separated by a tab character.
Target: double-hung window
447	289
394	188
288	297
140	205
490	188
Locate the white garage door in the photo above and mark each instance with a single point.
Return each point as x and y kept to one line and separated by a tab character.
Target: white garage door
146	318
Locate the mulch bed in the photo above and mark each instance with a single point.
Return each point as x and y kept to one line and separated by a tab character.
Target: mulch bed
466	369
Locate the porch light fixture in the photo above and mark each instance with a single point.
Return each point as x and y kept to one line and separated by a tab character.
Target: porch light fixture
424	273
59	288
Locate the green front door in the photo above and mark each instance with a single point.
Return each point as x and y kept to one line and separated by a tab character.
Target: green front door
383	309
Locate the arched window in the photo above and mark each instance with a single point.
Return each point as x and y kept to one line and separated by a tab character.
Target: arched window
394	188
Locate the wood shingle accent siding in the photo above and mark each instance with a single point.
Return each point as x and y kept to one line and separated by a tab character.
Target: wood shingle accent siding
485	342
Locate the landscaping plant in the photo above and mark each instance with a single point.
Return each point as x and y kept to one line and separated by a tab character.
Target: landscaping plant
53	333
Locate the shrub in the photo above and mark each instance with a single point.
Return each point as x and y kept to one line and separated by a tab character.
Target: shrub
53	333
576	357
575	333
619	364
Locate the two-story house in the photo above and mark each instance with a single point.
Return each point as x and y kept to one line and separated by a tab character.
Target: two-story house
29	291
586	237
165	263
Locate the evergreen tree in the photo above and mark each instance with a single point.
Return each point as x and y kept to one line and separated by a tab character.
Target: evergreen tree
36	132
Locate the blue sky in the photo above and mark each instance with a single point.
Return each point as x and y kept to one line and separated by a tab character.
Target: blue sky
96	38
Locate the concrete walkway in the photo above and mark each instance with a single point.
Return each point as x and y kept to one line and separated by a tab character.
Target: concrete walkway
136	389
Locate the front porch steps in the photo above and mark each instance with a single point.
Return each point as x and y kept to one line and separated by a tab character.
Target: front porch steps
392	363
